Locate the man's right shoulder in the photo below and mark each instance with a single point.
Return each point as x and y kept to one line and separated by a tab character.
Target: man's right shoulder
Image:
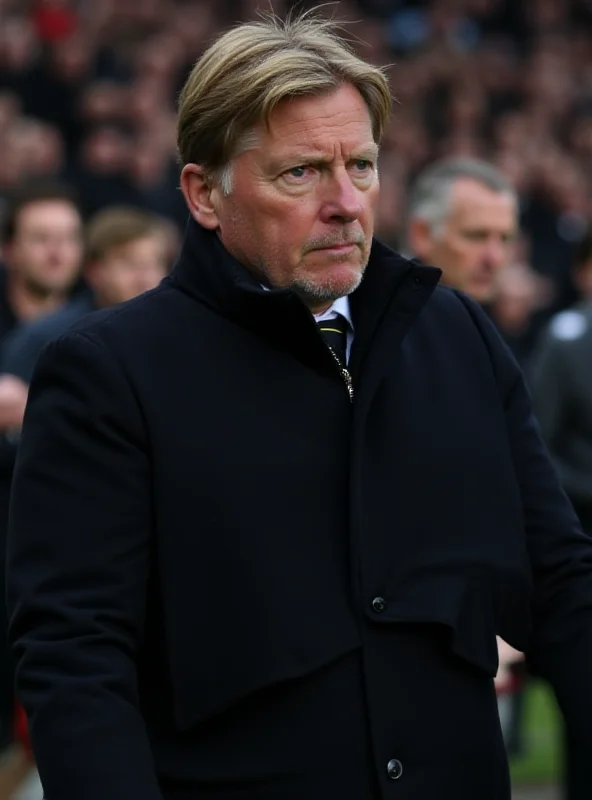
146	314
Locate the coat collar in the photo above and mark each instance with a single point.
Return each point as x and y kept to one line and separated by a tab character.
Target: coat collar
393	289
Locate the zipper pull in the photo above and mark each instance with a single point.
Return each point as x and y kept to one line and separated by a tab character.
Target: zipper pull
344	373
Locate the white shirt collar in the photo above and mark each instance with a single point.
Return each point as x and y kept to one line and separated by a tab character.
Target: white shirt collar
340	306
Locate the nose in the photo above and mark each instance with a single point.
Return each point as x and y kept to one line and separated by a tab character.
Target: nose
59	251
496	252
343	200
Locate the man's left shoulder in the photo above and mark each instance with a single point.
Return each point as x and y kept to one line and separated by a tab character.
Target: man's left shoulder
461	330
456	308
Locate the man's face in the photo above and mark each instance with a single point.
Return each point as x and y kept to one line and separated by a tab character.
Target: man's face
46	250
128	270
475	242
301	211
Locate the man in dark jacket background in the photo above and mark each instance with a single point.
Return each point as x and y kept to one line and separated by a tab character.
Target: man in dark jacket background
561	382
269	518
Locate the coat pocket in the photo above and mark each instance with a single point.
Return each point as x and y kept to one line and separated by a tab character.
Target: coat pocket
228	661
474	607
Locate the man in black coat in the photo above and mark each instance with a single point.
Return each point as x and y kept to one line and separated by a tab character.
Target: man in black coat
269	517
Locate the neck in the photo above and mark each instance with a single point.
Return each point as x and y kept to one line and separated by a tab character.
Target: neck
27	305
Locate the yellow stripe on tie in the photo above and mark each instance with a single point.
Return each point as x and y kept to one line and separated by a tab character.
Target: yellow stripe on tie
332	330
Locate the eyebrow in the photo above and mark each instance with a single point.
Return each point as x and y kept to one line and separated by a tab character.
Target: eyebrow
313	157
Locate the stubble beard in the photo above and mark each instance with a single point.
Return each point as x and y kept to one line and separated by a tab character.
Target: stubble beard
319	288
42	291
325	292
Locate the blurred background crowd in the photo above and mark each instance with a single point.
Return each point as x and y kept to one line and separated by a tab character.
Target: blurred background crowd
88	93
88	89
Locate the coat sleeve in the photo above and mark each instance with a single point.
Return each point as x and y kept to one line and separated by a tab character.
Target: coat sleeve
560	553
550	386
78	564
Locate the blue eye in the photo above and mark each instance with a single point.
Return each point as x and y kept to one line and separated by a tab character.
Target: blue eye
297	172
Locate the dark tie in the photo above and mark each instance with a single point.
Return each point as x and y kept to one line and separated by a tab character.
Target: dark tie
334	332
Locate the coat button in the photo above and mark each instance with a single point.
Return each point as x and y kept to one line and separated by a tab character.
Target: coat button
379	604
394	769
417	282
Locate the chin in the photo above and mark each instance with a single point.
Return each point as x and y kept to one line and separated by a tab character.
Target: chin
329	287
482	294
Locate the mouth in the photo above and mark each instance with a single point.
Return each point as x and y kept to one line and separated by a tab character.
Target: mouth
338	248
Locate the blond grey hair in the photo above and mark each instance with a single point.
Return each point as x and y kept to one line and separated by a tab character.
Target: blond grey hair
248	70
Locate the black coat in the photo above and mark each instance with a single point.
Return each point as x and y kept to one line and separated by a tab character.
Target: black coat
228	582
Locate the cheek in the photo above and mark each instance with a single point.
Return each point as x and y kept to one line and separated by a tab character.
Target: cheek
75	253
36	256
281	233
239	228
372	200
461	253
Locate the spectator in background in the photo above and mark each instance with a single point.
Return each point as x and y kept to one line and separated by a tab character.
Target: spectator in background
462	217
126	254
41	252
41	239
561	383
101	169
561	386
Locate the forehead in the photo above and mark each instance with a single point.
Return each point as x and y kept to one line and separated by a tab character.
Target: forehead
319	122
473	203
47	212
139	245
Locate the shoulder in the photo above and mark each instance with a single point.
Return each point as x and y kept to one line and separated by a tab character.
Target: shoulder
124	323
458	311
138	334
466	332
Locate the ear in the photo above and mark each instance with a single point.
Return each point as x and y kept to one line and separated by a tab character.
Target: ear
419	234
197	192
